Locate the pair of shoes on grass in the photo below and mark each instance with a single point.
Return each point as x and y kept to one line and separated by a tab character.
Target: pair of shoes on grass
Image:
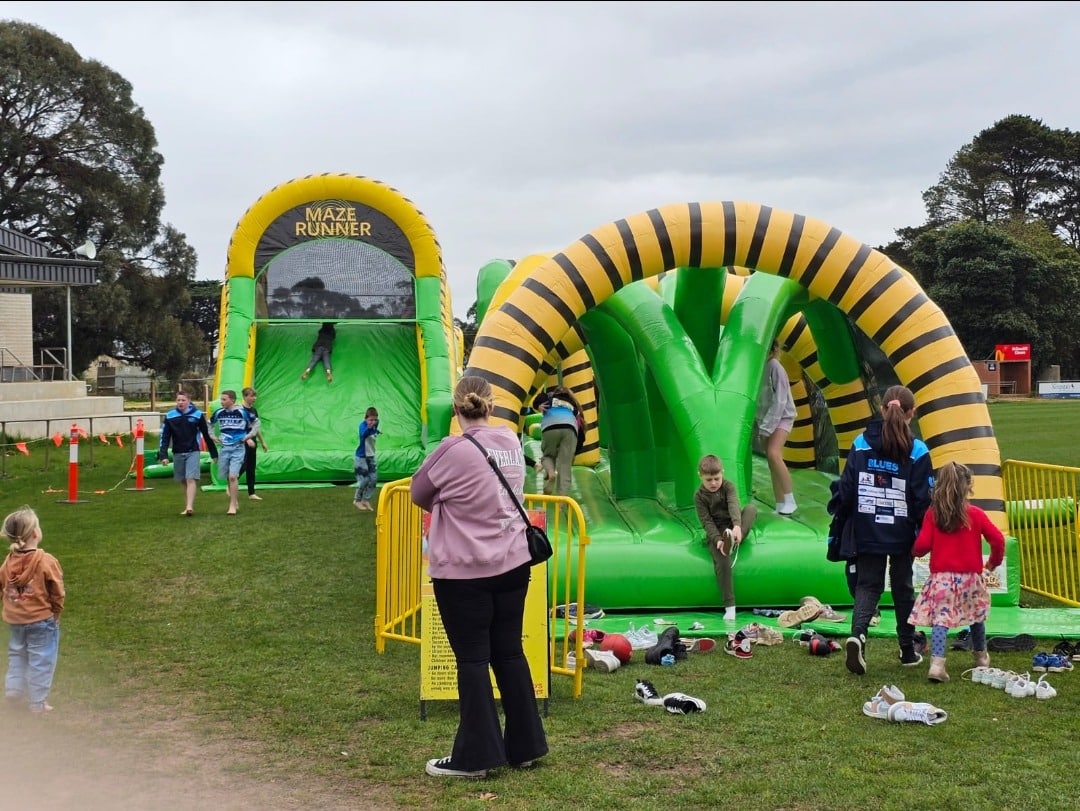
739	646
675	703
809	610
890	704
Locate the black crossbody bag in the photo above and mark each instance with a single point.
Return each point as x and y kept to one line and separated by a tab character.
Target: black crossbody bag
539	546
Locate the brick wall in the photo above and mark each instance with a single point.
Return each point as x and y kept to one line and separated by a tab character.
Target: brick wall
15	328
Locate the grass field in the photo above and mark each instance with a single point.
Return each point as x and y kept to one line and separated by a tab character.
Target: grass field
255	633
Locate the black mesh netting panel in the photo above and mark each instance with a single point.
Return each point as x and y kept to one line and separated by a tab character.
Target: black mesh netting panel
336	278
877	373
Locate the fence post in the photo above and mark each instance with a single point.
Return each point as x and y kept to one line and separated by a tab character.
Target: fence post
139	442
73	468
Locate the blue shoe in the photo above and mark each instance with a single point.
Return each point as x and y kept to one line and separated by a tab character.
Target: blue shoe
1041	661
1056	663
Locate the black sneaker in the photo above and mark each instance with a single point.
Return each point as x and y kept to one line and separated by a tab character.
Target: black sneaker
855	662
1011	644
441	767
647	693
682	704
665	645
909	658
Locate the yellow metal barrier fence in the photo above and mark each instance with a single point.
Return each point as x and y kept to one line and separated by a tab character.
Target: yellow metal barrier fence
399	573
1041	507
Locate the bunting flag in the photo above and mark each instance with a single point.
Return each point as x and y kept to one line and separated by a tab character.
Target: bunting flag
103	438
81	432
21	448
58	439
119	441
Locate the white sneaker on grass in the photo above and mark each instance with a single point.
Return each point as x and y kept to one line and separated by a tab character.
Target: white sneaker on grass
1043	690
603	660
641	638
646	693
917	711
442	767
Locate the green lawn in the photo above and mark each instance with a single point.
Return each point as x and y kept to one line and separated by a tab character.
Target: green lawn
1038	430
257	630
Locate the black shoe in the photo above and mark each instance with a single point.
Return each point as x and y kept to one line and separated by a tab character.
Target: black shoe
664	646
1011	644
854	661
963	641
908	656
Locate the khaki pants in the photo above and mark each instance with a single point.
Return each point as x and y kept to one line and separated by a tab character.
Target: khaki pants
722	563
557	446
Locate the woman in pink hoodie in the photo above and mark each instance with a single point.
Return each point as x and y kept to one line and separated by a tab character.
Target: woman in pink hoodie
33	595
479	565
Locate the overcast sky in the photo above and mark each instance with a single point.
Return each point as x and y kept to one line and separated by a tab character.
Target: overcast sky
516	128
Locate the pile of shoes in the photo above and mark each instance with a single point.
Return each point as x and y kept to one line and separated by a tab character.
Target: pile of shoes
759	634
815	643
890	704
675	703
668	649
738	645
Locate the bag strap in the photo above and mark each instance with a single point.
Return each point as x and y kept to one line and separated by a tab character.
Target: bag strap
495	467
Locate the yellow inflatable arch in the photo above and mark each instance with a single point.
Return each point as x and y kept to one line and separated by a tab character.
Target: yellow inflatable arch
882	299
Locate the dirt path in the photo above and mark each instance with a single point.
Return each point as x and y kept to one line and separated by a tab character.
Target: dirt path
63	763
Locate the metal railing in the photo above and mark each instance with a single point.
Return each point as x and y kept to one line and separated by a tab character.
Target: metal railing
399	561
1042	509
48	369
63	427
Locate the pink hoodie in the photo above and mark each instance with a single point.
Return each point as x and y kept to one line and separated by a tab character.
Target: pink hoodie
476	531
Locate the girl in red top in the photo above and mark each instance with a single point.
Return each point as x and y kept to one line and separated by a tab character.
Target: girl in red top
955	594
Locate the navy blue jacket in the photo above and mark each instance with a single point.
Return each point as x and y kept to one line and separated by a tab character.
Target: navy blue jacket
884	498
182	429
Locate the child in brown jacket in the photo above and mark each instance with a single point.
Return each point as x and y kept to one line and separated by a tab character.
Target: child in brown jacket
33	599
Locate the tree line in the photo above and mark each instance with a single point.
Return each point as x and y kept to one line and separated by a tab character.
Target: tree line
999	251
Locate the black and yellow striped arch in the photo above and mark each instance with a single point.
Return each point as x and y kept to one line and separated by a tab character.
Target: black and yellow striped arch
882	299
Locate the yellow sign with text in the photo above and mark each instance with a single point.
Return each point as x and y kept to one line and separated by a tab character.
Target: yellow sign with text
438	669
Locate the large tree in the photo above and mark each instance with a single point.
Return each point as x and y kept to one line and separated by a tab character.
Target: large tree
205	313
79	160
1013	283
1015	170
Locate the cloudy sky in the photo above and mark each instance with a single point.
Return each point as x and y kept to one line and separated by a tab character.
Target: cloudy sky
516	128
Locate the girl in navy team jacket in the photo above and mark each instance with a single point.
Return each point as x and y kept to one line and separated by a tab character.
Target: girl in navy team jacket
885	490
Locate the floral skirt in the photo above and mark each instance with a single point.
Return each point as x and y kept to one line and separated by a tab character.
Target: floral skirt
951	599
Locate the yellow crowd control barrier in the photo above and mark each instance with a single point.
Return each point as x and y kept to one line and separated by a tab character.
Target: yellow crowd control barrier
399	572
1041	507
